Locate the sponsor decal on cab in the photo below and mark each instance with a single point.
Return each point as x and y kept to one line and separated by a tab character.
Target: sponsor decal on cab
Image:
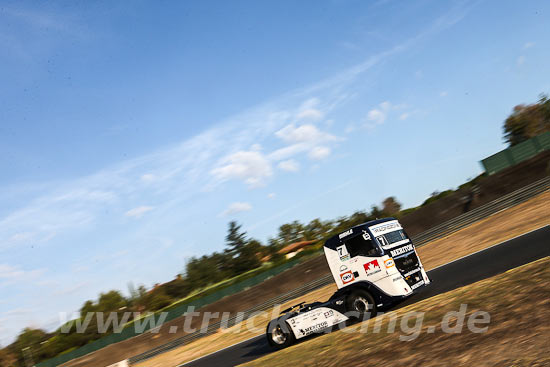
343	253
389	263
401	250
346	233
382	240
347	277
372	267
314	328
328	314
385	227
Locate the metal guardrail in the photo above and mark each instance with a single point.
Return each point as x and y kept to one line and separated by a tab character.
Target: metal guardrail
423	238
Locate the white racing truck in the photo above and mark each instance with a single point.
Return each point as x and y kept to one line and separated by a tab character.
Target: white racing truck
374	265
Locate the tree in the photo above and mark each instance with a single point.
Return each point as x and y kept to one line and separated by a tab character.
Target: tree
390	206
358	217
243	253
291	232
88	306
316	229
29	338
111	301
201	272
249	256
376	213
223	265
177	288
273	251
235	239
157	299
7	358
527	121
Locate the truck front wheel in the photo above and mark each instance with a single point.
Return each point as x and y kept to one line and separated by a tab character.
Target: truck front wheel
279	334
360	305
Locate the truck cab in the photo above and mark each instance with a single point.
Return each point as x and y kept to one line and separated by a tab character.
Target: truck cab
373	264
378	256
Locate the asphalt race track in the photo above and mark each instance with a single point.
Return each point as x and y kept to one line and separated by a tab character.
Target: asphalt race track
484	264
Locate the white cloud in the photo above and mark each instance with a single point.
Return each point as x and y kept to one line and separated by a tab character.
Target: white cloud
443	93
13	274
139	211
528	45
10	272
45	217
377	116
250	166
71	289
22	237
311	114
255	168
303	133
404	116
148	177
309	111
237	207
349	129
289	165
386	105
20	311
289	151
350	45
303	138
318	153
521	60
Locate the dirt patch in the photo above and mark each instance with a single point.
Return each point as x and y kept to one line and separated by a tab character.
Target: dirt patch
500	227
517	301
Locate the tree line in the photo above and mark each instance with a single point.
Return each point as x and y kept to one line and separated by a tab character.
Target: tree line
527	121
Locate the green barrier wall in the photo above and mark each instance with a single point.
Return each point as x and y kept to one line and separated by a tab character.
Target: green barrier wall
173	313
516	154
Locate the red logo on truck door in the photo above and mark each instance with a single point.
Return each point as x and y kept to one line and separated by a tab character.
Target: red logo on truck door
372	267
347	277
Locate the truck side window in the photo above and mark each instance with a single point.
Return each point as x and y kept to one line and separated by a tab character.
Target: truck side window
358	246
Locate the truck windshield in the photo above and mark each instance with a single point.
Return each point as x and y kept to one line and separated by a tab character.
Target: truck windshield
361	245
392	237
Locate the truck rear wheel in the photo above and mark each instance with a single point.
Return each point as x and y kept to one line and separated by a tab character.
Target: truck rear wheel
279	334
360	305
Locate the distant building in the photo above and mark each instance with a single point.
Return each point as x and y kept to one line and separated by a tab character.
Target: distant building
292	249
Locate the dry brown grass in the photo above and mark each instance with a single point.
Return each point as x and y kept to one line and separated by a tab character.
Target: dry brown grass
499	227
518	334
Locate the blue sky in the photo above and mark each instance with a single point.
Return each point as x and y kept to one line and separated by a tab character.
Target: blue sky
131	133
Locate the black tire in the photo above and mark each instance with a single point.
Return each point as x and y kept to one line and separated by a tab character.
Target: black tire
279	334
360	305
